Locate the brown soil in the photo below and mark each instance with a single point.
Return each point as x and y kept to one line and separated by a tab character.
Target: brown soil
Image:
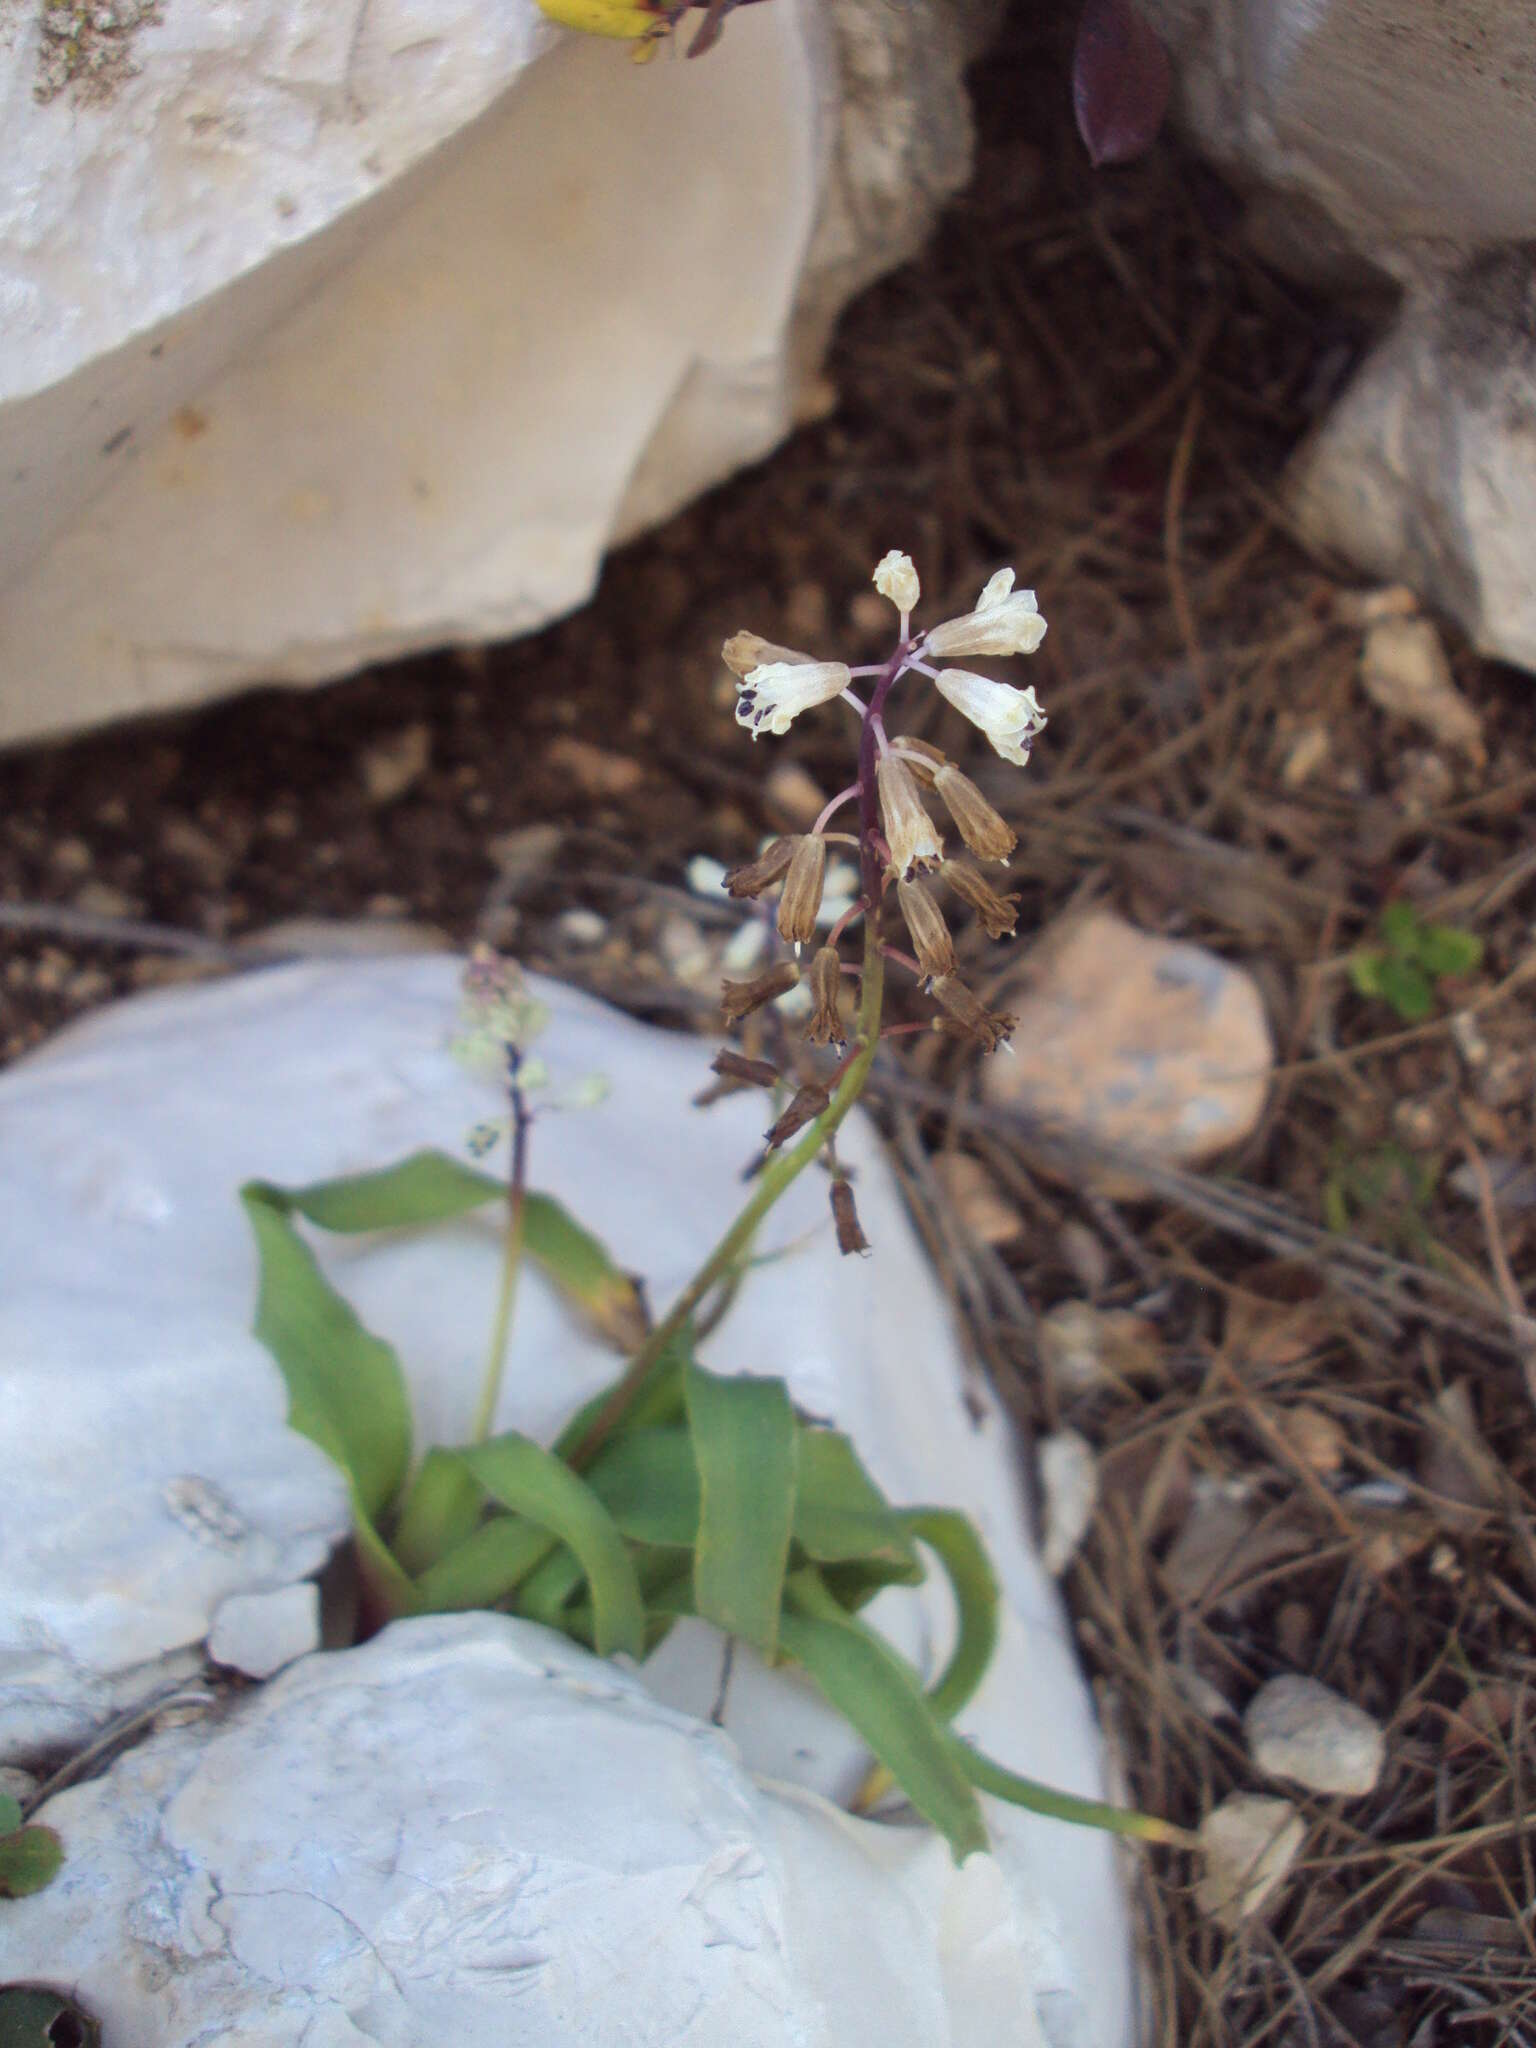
1085	376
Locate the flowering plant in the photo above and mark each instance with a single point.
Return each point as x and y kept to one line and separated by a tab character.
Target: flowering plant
679	1491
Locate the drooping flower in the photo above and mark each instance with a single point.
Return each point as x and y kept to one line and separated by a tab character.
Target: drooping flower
896	578
776	692
1005	621
1010	718
826	1025
999	914
803	885
985	831
739	999
992	1027
760	874
909	831
931	942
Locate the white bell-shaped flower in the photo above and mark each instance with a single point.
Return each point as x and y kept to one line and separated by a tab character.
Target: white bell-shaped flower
1005	621
774	694
1010	718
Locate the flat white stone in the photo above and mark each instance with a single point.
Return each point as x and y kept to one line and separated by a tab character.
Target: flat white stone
160	1480
256	1634
1248	1843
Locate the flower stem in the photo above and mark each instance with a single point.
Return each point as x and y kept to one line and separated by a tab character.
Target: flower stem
785	1168
511	1262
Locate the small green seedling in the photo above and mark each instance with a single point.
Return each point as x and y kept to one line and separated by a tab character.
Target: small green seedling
1413	958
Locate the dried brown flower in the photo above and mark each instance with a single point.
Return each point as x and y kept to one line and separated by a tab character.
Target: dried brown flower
740	998
984	830
826	1025
931	942
932	757
762	873
956	1000
735	1066
805	1106
999	914
850	1238
802	889
744	652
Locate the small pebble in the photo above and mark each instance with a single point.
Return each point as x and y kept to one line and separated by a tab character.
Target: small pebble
594	769
396	763
976	1199
581	927
1250	1843
101	899
1069	1484
1300	1729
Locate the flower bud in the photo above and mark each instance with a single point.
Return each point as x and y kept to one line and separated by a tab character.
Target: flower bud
909	831
739	999
850	1238
826	1025
956	1000
802	889
896	578
805	1106
744	652
984	830
999	914
735	1066
762	873
931	942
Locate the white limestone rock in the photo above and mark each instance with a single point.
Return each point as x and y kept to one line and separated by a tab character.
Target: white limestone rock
338	330
160	1482
1300	1729
1248	1845
1424	471
257	1634
1399	133
468	1830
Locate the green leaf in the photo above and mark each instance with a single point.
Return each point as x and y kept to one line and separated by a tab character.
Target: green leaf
388	1593
649	1483
10	1813
1406	987
549	1589
433	1187
346	1391
867	1682
959	1549
485	1568
32	2016
1365	971
659	1402
580	1267
840	1513
1034	1797
1401	928
1444	951
531	1481
440	1512
745	1448
428	1187
29	1859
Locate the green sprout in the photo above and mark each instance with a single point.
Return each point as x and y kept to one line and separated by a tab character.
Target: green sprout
1413	958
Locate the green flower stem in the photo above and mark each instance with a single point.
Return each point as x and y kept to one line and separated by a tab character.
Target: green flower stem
511	1266
772	1182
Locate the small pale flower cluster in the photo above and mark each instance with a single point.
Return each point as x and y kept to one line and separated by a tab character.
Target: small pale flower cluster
498	1021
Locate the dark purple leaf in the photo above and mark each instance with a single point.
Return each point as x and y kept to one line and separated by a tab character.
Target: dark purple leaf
1121	79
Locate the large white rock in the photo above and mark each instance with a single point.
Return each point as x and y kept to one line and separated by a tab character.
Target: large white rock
159	1480
344	329
1401	133
470	1831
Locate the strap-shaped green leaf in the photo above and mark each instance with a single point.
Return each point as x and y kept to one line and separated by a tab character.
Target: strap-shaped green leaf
10	1813
432	1187
442	1506
649	1483
744	1445
840	1513
346	1391
867	1682
659	1402
959	1549
485	1568
1034	1797
29	1859
550	1588
531	1481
